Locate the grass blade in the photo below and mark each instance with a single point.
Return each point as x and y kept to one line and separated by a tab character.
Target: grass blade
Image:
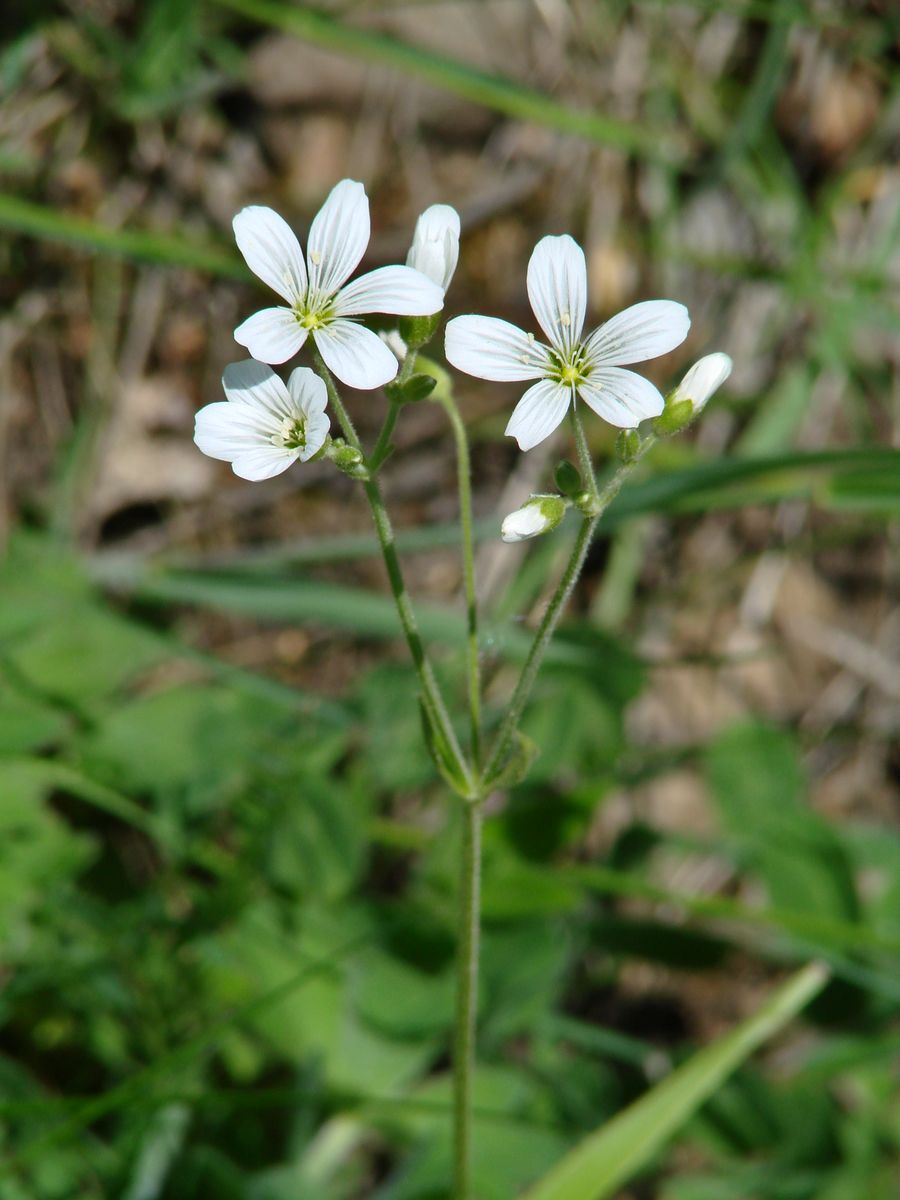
492	91
160	249
605	1160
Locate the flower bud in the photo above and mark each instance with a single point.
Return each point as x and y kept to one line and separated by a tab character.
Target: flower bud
704	378
538	515
435	246
347	459
628	444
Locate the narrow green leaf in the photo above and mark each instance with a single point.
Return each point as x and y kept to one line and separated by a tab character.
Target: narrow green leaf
160	249
492	91
605	1160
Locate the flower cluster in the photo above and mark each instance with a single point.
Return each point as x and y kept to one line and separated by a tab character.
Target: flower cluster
264	426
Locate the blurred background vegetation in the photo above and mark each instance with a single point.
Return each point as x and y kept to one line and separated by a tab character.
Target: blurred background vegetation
226	870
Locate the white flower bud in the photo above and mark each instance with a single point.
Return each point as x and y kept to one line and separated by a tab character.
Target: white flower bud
394	343
704	378
435	246
538	515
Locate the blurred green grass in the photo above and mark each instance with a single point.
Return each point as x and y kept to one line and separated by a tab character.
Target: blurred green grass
226	903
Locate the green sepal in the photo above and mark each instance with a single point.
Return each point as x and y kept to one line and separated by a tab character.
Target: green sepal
411	391
522	752
568	478
441	754
628	444
418	331
347	459
677	415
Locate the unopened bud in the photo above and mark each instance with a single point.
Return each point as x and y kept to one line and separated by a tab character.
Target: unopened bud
628	444
538	515
688	399
418	331
435	246
347	459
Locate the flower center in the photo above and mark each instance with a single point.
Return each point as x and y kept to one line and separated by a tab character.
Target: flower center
569	369
314	311
291	435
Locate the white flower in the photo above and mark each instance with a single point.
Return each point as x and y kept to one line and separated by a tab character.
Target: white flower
704	378
319	303
264	426
538	515
435	246
592	366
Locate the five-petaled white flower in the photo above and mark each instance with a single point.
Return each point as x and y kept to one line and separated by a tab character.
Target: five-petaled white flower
704	378
320	301
591	367
264	426
435	245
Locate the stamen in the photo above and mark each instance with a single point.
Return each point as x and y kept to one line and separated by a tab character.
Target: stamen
291	434
315	257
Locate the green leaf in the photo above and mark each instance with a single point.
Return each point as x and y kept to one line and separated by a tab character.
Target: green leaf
607	1159
522	752
26	724
758	785
417	387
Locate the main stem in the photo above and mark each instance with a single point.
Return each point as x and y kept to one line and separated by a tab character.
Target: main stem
464	482
466	999
431	693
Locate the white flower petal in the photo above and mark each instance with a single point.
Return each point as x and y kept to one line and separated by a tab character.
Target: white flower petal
223	430
264	462
435	245
338	237
308	392
356	355
640	332
703	379
398	290
317	427
621	397
271	251
493	349
538	413
557	289
272	335
255	385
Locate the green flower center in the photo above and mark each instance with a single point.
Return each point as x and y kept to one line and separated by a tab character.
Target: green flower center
568	370
291	435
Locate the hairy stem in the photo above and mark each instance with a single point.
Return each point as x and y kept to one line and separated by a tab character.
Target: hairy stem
464	481
432	698
584	454
382	445
602	499
466	999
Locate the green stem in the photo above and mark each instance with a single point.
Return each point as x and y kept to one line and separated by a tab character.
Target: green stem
584	453
535	657
380	450
382	444
602	499
431	693
466	999
464	481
